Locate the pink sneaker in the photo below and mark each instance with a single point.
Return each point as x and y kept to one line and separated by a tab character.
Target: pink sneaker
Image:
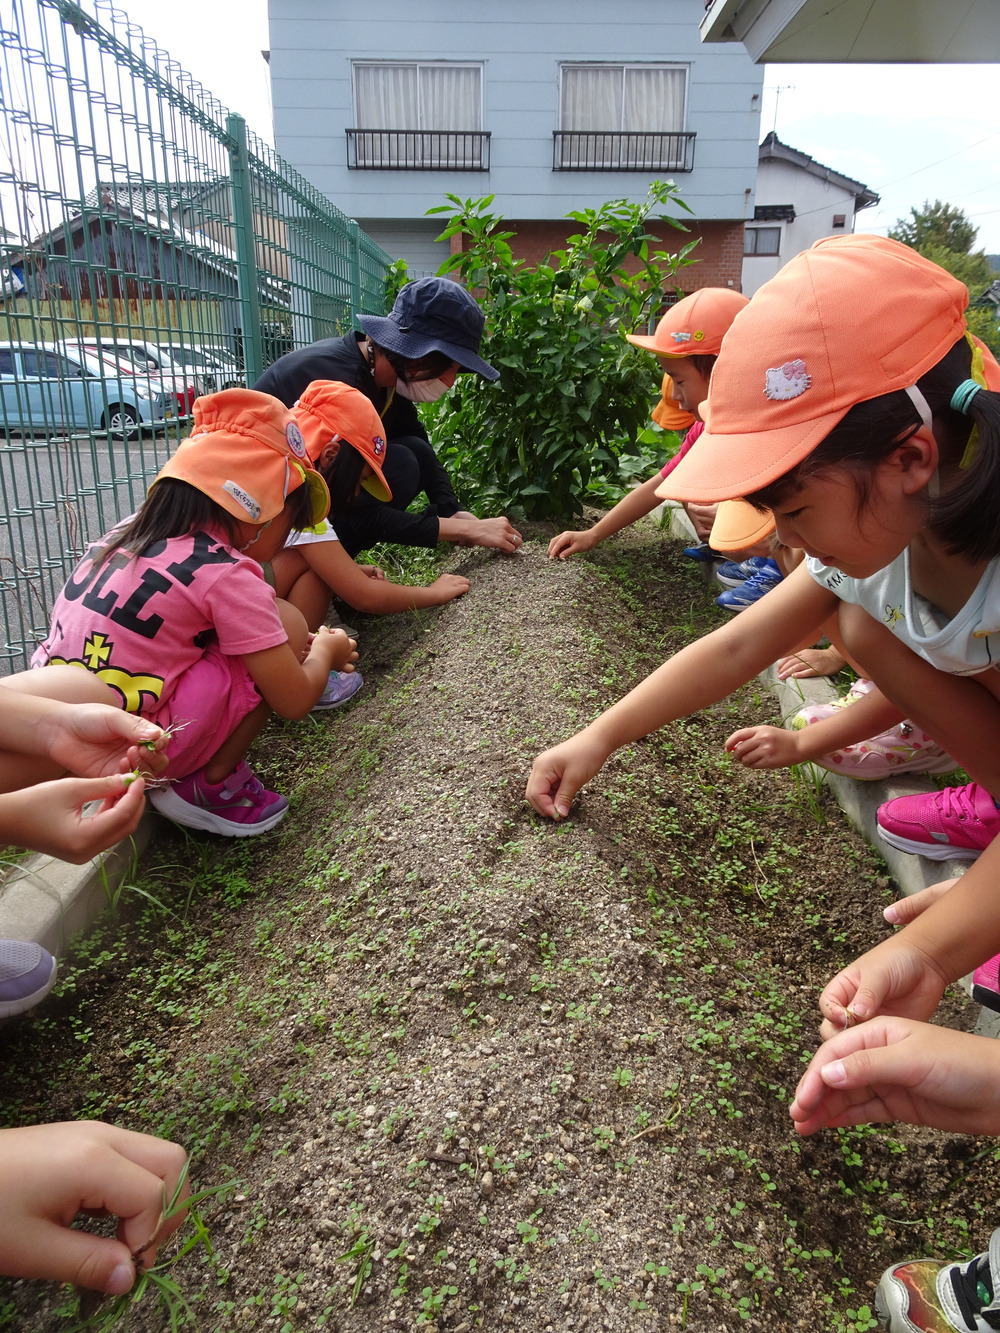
237	808
959	823
902	749
805	717
986	983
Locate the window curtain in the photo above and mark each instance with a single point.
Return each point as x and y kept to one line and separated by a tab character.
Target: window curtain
613	105
416	98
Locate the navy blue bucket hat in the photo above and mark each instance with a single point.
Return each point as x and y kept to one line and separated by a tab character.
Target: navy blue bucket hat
432	315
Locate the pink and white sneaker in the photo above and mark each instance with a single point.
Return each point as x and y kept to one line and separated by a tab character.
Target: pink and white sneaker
239	807
805	717
956	823
986	983
902	749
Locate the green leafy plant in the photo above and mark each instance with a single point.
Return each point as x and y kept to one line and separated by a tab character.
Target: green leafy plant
572	392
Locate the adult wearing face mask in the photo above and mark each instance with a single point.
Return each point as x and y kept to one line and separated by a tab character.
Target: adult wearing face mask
411	355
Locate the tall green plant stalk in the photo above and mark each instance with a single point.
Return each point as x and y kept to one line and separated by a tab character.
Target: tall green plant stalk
572	392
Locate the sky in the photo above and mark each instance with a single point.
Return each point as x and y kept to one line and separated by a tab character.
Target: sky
909	132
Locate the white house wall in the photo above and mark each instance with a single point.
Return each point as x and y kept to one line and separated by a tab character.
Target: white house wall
816	203
521	44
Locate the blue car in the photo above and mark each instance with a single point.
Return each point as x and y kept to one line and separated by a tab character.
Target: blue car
48	389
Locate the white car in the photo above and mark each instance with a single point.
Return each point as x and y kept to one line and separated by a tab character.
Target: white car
214	367
150	359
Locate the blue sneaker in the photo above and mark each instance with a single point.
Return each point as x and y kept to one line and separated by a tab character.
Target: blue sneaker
732	574
27	974
702	553
752	590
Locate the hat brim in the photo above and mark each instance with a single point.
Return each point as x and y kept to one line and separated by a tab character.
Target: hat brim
376	486
728	467
387	334
738	526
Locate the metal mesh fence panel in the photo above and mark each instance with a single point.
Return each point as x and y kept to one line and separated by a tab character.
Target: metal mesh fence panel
152	249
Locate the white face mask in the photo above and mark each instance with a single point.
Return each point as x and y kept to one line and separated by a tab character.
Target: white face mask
422	391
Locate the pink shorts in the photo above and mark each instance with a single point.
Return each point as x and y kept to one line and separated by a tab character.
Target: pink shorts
212	697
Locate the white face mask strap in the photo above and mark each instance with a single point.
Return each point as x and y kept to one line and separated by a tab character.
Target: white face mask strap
920	403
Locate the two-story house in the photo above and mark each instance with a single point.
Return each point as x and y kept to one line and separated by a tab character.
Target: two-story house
546	107
798	200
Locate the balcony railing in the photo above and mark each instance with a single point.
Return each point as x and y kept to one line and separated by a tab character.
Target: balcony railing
418	150
601	150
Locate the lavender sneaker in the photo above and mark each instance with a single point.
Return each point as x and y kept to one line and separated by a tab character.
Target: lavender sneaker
340	687
27	974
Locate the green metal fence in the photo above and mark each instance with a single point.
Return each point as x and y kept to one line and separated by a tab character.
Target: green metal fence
151	248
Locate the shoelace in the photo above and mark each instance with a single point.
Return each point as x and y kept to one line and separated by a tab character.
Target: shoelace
957	802
974	1292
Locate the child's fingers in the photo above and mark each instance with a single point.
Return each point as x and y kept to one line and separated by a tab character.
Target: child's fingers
907	909
738	737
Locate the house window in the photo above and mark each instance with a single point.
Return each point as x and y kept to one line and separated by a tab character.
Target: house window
840	219
761	240
623	118
415	116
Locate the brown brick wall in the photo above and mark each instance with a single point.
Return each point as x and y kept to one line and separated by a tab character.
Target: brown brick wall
720	254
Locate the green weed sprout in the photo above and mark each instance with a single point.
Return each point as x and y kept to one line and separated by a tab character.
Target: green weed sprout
157	1278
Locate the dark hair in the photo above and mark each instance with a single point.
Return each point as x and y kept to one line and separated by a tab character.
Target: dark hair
430	366
966	519
703	364
171	509
343	476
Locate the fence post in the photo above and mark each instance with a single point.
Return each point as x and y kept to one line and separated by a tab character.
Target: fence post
354	240
247	277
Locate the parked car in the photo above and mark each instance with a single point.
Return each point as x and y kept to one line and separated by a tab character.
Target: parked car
178	396
47	387
150	359
214	367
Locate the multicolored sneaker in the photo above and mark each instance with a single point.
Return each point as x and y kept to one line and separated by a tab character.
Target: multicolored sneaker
902	749
750	590
27	974
805	717
986	983
930	1296
733	573
240	807
956	823
340	687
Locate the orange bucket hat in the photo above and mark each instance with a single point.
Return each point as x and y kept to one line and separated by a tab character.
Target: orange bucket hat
247	454
850	319
331	413
668	412
696	325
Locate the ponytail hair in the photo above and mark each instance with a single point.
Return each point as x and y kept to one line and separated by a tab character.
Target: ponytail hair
966	518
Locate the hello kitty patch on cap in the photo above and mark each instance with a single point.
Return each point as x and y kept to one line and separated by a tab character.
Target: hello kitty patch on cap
787	381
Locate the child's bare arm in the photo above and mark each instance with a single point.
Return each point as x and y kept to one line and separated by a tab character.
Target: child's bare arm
376	595
48	817
292	687
699	675
637	504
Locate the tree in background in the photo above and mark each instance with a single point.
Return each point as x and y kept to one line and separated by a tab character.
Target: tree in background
572	393
944	235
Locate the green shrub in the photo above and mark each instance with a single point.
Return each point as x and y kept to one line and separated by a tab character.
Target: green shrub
572	392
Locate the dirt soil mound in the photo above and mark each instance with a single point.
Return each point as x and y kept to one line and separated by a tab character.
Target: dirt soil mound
474	1070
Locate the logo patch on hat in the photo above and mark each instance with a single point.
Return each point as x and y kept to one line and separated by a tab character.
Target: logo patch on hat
242	498
787	381
295	441
378	446
681	337
699	337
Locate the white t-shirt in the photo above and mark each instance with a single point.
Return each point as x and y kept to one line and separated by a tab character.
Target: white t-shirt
320	532
963	646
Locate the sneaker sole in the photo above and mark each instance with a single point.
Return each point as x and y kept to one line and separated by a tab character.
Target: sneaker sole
932	851
989	999
11	1008
937	767
726	582
328	708
169	804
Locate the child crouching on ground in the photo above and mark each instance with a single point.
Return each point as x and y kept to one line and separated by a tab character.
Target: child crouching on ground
314	564
171	612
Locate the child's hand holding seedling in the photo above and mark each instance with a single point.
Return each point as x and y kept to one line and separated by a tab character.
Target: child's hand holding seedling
341	652
94	740
51	1173
895	978
49	816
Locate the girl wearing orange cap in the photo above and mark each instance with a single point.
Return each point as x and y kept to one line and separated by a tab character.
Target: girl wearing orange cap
171	614
315	564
